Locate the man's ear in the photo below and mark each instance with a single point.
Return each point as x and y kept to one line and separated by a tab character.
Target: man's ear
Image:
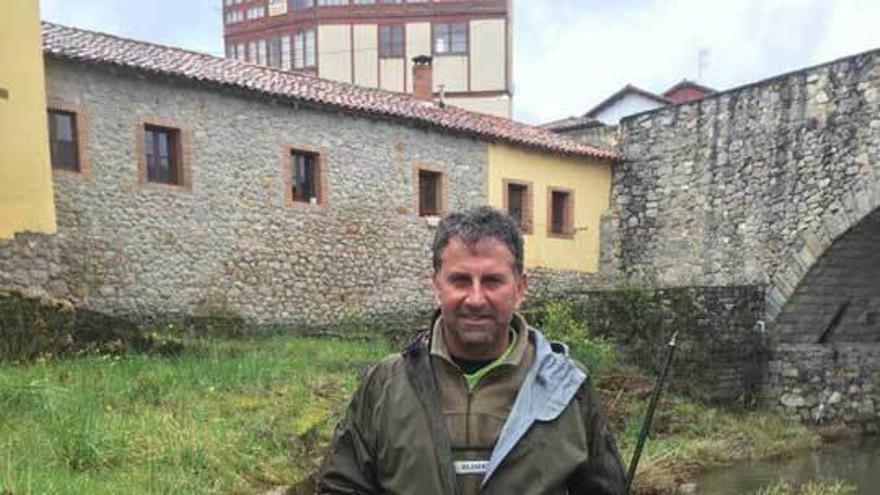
522	285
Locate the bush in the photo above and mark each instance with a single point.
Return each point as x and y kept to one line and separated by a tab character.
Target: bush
32	325
559	323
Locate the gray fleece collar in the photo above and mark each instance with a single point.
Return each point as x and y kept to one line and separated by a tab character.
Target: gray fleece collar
548	388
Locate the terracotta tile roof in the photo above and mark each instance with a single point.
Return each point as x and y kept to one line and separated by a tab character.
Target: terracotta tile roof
89	46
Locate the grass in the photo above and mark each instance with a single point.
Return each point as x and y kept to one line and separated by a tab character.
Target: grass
809	488
232	417
689	437
242	416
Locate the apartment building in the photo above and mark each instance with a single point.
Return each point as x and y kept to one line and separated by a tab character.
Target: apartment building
372	43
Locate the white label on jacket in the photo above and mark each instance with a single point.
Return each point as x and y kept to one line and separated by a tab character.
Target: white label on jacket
471	467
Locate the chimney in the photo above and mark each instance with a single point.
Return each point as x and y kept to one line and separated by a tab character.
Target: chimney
423	78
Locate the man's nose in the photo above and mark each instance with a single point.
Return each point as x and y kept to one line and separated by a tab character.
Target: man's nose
476	296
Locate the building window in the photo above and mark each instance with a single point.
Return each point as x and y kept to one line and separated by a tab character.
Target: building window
561	213
303	4
277	7
391	41
275	51
256	12
304	49
64	140
450	38
430	193
518	203
162	155
305	177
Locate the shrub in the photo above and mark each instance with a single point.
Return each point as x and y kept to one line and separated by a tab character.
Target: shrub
32	325
559	323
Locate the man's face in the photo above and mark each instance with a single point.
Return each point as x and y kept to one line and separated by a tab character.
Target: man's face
478	291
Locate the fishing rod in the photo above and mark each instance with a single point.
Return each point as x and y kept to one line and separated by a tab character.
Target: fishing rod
646	426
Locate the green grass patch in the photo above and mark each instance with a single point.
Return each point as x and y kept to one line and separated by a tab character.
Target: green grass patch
688	437
809	488
229	417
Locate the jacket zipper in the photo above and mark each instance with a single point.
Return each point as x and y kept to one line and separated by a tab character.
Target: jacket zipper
467	424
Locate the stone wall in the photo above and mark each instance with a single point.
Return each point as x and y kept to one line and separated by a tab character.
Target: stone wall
734	188
839	298
835	383
722	352
231	242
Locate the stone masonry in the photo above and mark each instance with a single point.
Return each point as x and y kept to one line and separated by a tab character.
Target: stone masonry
231	242
752	185
774	185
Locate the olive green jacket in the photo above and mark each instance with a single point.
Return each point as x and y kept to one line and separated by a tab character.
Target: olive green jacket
393	439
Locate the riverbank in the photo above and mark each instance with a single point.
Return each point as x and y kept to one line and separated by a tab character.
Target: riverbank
689	437
243	416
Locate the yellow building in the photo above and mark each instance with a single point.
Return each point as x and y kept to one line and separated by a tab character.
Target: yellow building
372	43
560	200
26	200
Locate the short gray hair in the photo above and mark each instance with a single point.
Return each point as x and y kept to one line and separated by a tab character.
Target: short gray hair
474	225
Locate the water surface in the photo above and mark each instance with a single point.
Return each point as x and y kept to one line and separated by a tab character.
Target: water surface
854	461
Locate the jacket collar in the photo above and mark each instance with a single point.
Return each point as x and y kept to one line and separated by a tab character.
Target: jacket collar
514	358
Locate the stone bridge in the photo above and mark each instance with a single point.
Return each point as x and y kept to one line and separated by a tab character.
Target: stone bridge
773	185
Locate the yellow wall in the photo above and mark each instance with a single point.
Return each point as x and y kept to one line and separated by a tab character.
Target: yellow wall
452	72
591	181
334	52
391	74
492	105
26	201
488	57
366	55
418	42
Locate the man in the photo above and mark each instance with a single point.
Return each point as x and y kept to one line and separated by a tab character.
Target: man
481	403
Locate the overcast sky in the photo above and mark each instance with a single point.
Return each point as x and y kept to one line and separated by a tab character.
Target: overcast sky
571	54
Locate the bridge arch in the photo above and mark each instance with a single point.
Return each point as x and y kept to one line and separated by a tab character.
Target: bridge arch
826	279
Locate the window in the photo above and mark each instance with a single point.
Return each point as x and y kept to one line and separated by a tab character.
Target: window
560	213
390	41
63	140
274	53
303	4
430	193
162	155
277	7
305	177
304	49
285	52
450	38
518	203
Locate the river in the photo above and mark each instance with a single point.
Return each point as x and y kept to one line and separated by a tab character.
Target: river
855	461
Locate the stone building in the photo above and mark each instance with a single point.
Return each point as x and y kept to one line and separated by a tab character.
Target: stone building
203	185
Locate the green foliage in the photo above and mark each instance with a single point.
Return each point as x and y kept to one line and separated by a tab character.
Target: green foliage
32	325
809	488
231	416
559	323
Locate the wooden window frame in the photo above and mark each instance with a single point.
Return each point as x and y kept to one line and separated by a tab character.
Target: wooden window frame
182	152
449	51
320	174
528	207
568	219
441	194
382	54
81	122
